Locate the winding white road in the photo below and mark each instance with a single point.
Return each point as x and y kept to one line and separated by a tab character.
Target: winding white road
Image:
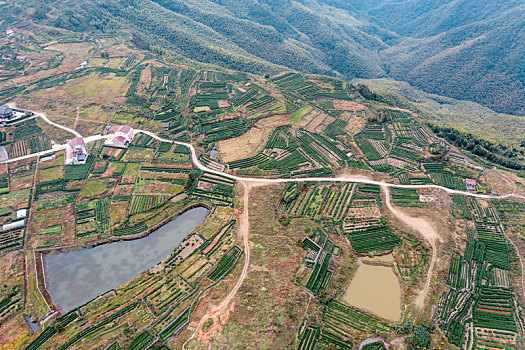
46	119
199	165
356	179
418	224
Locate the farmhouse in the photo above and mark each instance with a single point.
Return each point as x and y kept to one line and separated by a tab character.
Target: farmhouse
470	184
122	136
5	112
76	151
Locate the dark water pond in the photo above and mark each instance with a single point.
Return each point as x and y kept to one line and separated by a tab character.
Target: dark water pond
74	278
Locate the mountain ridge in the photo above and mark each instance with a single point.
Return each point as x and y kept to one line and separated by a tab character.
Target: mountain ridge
452	48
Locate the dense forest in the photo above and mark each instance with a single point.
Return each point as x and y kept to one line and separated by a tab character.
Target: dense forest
453	47
509	157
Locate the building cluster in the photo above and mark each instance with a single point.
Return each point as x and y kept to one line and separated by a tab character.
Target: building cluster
14	57
470	184
120	136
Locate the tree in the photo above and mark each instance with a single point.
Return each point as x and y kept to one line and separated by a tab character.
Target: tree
40	13
421	337
405	328
58	327
189	181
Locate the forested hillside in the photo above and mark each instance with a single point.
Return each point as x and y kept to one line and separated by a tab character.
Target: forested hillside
464	49
456	48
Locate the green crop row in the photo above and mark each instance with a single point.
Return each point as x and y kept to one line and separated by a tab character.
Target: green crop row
142	341
226	263
130	230
373	239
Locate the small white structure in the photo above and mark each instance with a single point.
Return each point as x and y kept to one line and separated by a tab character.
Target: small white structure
3	154
46	158
122	136
76	151
13	225
22	213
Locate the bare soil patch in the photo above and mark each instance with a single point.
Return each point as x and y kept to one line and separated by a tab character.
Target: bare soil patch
317	120
355	124
223	103
348	105
251	142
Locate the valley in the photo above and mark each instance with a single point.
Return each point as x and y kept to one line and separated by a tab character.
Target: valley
292	184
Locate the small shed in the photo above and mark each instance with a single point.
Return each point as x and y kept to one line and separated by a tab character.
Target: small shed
22	213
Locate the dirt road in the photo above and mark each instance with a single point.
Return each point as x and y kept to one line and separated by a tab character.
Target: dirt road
418	224
46	119
356	179
244	231
426	230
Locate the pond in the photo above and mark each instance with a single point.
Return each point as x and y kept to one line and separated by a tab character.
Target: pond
375	288
74	278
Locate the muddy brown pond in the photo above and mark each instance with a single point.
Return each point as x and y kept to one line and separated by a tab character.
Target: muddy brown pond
375	288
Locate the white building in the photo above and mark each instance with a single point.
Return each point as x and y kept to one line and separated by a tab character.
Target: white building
122	136
76	151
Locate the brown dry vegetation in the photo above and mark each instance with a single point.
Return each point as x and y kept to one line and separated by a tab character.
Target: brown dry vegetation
504	182
145	80
251	142
74	54
269	306
13	332
348	105
95	97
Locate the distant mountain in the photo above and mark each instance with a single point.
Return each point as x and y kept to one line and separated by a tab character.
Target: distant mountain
465	49
257	36
472	50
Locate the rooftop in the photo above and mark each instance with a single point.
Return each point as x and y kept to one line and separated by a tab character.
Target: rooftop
5	110
77	141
